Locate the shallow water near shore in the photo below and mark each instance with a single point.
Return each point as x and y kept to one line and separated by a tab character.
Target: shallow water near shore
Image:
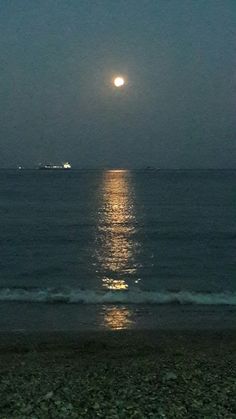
111	250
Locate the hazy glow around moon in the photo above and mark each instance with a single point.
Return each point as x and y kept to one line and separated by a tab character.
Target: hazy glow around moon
119	81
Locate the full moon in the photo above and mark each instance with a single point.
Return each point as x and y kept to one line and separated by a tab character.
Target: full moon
118	81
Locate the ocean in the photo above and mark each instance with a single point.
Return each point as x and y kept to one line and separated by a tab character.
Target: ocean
117	249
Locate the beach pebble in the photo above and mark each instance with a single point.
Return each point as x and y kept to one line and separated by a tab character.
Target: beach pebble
48	395
170	376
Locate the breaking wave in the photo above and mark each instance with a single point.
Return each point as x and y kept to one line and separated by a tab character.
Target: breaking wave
79	296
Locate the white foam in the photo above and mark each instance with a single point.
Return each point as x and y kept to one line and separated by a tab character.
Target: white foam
78	296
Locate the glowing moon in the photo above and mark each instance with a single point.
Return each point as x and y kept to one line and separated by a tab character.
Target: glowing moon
119	81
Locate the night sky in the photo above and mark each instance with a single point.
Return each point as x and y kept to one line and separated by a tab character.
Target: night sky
58	58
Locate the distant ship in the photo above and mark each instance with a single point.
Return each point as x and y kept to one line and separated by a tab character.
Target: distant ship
151	169
50	166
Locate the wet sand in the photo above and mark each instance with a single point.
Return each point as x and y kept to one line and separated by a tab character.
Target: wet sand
119	374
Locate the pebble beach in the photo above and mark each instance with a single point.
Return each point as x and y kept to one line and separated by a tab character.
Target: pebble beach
118	375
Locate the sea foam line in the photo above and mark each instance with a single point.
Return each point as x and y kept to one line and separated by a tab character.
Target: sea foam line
78	296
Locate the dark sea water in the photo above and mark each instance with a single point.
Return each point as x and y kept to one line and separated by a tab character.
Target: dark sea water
117	249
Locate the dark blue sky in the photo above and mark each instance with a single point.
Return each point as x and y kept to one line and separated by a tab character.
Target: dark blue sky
57	102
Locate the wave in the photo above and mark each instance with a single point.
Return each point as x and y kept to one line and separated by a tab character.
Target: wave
79	296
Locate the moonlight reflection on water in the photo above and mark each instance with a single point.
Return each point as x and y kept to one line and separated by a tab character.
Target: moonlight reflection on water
117	318
117	247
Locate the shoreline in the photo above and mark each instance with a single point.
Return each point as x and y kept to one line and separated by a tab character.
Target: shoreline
70	339
117	342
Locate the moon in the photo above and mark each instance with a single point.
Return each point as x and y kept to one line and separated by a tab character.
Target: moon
119	81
